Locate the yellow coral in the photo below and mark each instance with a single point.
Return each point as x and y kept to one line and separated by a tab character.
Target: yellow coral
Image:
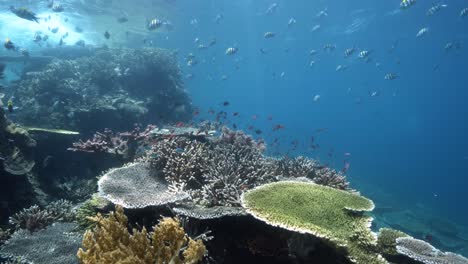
111	242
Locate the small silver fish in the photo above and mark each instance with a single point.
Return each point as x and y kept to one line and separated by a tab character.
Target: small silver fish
349	52
329	47
340	68
154	24
291	22
422	32
57	7
231	51
315	28
464	12
271	9
405	4
390	76
269	34
364	54
434	9
312	52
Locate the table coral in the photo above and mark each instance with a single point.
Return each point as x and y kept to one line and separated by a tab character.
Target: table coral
111	242
324	212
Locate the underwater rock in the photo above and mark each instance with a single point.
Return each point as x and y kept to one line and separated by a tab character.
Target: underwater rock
422	251
110	88
57	244
137	186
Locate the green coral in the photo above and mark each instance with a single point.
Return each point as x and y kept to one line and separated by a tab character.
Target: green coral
90	208
386	241
331	214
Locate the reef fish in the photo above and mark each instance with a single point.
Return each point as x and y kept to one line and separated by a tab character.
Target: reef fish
154	24
272	8
464	12
364	54
349	52
434	9
269	34
405	4
24	13
9	45
231	51
390	76
57	7
422	32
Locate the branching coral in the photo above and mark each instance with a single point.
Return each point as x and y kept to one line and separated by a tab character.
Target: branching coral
231	169
111	242
32	219
329	177
324	212
296	167
61	210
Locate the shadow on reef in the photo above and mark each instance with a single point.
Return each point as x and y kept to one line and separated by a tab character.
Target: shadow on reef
106	88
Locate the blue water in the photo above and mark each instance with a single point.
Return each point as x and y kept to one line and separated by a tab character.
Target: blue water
408	146
408	141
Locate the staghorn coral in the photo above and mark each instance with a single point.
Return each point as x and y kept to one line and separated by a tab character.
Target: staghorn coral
123	144
422	251
329	177
184	161
231	169
34	218
238	137
31	219
61	210
107	142
111	242
137	186
327	213
57	244
296	167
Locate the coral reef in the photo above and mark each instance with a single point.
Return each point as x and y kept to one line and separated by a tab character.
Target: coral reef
137	186
386	241
90	208
123	144
61	210
34	218
330	177
324	212
296	167
422	251
4	235
57	244
111	242
109	88
31	219
231	169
